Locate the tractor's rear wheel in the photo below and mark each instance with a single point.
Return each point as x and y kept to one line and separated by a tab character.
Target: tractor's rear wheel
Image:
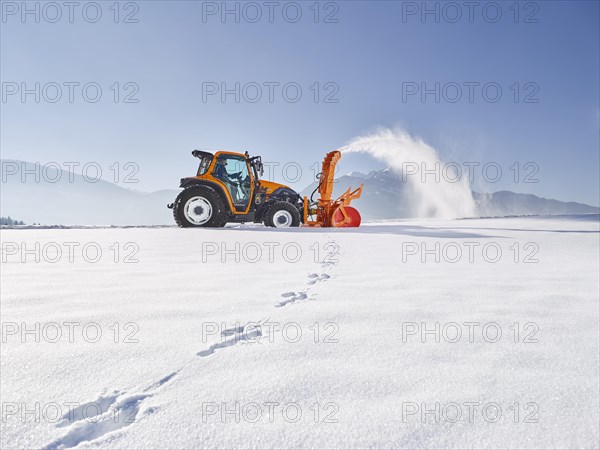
282	215
199	206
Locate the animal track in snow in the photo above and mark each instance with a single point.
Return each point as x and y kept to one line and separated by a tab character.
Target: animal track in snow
89	410
291	297
232	331
238	334
162	381
315	278
108	413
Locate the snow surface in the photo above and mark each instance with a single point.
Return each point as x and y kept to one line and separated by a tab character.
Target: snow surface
361	375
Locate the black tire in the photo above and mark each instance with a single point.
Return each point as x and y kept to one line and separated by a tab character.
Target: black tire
282	215
218	211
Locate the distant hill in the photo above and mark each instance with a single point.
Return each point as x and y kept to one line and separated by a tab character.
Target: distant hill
504	203
79	202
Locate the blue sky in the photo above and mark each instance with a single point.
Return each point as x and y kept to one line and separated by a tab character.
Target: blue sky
367	55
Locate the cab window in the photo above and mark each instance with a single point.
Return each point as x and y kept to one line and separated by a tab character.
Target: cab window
232	170
204	164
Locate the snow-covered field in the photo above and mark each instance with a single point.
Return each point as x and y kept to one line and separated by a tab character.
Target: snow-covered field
249	337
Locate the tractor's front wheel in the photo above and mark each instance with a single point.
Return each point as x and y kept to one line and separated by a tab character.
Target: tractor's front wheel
199	206
282	215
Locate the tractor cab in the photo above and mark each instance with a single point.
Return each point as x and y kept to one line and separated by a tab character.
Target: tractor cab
237	173
206	158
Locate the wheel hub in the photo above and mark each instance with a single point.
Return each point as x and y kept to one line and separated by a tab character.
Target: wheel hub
282	219
198	210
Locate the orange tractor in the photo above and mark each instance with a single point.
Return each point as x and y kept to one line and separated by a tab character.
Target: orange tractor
228	188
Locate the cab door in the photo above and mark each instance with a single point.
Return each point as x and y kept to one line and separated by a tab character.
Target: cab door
234	173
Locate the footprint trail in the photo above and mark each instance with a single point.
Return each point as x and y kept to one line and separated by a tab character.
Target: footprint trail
106	414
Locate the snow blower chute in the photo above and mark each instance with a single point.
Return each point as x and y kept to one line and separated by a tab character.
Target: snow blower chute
331	213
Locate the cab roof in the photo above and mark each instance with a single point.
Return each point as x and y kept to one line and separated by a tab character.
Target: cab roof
203	153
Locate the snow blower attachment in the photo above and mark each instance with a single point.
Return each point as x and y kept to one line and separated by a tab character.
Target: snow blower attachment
228	188
331	213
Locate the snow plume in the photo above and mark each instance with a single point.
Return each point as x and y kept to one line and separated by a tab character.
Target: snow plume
434	188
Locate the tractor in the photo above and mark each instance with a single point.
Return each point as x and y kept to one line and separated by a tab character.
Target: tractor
228	188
